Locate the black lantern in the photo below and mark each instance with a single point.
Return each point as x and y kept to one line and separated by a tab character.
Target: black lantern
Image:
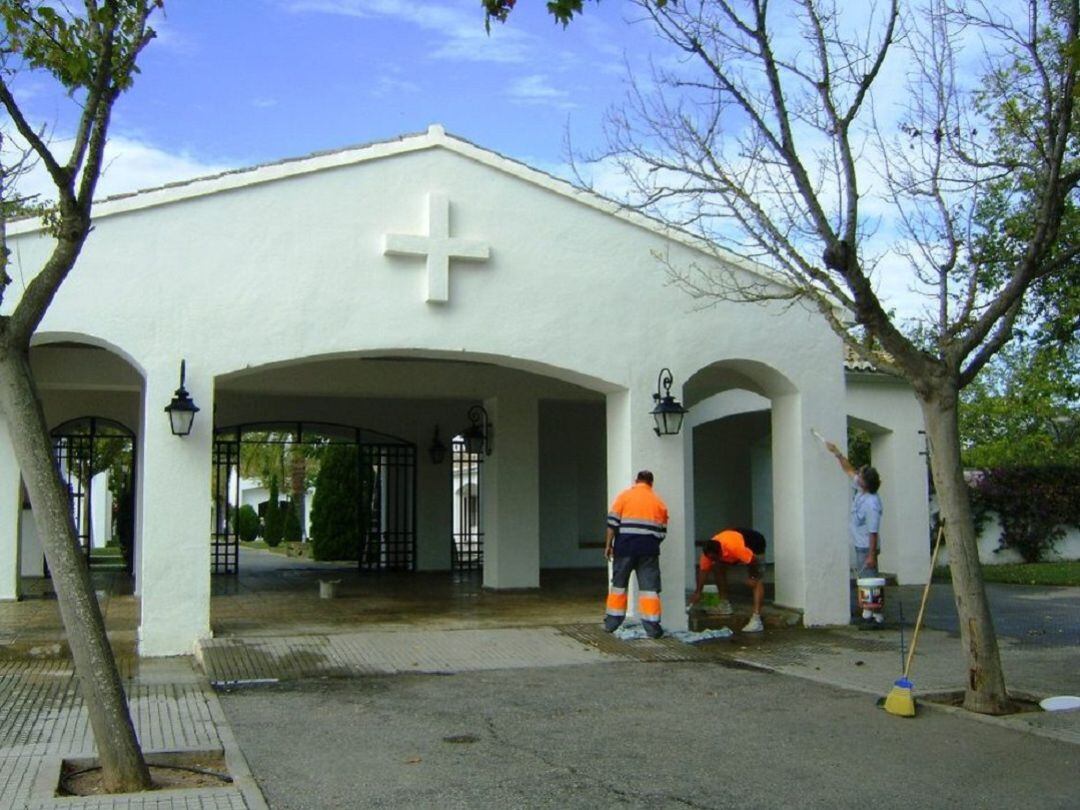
668	412
181	410
437	451
477	435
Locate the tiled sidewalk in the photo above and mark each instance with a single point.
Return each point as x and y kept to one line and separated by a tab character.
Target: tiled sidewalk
173	709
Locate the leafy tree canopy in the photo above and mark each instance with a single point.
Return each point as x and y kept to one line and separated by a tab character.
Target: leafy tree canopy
1024	409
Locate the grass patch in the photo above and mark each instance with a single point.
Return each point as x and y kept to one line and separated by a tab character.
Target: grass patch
106	552
284	549
109	558
1049	573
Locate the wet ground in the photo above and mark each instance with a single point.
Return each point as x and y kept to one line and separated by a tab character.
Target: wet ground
275	595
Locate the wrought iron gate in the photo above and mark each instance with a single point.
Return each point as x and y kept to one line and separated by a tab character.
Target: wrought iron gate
389	513
467	546
386	496
225	532
83	448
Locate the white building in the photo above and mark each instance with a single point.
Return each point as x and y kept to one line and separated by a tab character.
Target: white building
392	287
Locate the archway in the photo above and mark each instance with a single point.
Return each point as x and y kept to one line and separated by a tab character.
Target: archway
744	423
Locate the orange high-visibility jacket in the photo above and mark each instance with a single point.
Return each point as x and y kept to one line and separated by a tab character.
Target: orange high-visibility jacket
639	519
733	550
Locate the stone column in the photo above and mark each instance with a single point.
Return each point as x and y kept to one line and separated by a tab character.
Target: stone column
810	510
174	516
510	492
905	507
10	517
632	445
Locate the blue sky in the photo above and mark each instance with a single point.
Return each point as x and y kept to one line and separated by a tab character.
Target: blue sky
232	83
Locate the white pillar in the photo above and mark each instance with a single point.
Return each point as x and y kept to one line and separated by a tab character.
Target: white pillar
905	520
510	490
10	517
174	517
810	510
434	515
633	446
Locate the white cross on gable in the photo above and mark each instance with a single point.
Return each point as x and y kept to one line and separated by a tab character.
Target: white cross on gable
438	246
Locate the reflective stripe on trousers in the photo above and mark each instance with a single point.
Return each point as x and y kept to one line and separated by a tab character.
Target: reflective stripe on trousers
616	602
649	606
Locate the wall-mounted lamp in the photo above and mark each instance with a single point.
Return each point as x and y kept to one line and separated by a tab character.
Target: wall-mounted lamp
437	451
668	412
478	435
181	410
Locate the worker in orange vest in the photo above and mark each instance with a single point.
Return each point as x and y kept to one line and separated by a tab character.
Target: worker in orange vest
636	525
734	547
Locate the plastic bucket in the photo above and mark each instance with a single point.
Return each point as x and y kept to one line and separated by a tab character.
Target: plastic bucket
871	593
710	597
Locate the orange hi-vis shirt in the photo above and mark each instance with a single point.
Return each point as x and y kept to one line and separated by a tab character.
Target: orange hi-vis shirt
733	550
639	519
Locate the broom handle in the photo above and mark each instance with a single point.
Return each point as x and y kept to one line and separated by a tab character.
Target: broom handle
925	593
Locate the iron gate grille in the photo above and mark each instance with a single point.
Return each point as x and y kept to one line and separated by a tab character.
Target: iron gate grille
225	532
82	449
75	458
386	496
467	546
388	530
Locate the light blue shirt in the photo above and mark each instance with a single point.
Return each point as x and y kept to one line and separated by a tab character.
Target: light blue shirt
865	518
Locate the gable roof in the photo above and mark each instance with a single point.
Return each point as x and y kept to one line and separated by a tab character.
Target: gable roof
434	138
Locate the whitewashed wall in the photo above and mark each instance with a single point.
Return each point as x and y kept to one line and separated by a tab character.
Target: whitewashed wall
1066	549
256	277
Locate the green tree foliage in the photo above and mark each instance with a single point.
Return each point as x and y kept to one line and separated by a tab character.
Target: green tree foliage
1022	411
247	523
858	446
336	508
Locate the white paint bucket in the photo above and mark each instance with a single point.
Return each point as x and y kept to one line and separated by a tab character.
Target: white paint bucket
871	593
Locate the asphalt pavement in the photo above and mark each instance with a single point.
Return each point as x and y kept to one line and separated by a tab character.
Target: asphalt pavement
629	735
1032	614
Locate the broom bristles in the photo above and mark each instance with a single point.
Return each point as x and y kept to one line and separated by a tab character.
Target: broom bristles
899	701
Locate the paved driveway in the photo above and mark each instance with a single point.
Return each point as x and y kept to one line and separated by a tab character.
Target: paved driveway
631	735
1031	614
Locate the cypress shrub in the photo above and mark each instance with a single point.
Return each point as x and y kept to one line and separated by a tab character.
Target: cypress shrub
274	520
247	523
335	508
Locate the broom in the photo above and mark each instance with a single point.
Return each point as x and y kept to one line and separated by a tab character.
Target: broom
899	701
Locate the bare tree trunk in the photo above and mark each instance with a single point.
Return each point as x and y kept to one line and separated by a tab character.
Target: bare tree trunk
985	689
122	763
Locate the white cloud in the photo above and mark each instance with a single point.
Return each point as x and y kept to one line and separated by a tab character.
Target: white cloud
458	26
537	90
130	165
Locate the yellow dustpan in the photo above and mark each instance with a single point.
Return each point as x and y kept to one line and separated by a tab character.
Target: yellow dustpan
899	700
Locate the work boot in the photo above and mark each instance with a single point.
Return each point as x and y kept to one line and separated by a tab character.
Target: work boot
653	629
754	625
612	623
